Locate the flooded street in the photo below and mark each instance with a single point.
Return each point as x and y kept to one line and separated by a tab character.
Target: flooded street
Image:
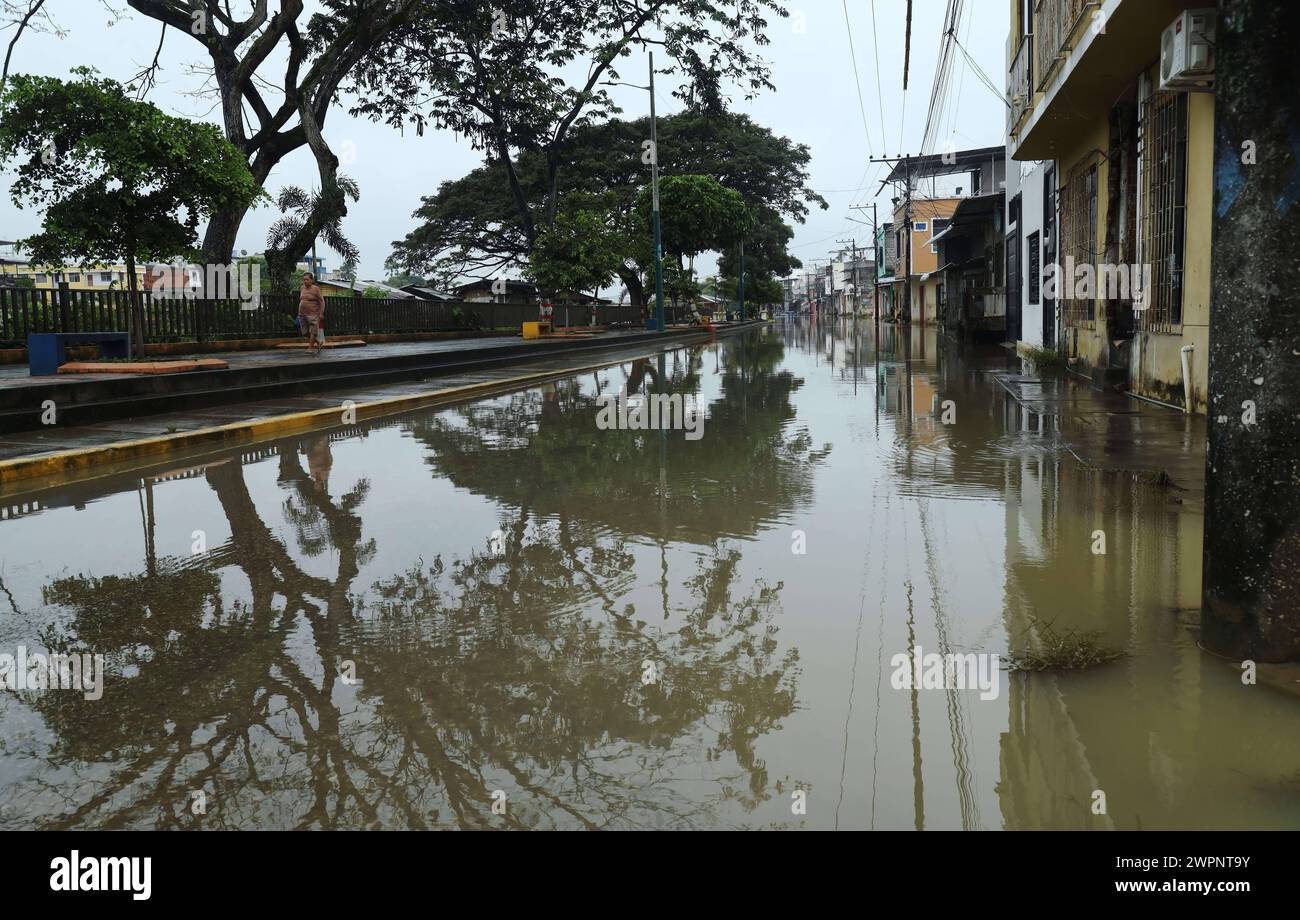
499	615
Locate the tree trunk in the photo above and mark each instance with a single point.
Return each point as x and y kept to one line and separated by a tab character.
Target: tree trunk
219	240
635	290
330	205
133	302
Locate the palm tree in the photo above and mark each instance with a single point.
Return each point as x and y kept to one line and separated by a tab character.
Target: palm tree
297	207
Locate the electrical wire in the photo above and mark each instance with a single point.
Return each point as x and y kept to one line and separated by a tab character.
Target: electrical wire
862	106
880	95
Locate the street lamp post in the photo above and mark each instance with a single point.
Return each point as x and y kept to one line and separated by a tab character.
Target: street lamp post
654	194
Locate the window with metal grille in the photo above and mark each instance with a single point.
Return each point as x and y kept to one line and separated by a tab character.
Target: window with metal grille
1049	209
1163	151
1079	239
1035	269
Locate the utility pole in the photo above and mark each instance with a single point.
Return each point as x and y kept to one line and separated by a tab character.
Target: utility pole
742	280
877	261
875	288
853	243
654	193
907	46
907	220
1252	500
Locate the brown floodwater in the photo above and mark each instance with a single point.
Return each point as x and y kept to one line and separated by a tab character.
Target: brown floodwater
499	615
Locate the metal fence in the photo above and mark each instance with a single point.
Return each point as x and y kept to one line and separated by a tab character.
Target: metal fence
26	311
1056	23
1020	93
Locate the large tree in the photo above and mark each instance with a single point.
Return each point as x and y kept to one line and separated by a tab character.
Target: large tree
311	59
500	74
471	226
116	177
700	214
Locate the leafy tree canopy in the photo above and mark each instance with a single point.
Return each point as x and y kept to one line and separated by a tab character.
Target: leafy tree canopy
114	176
578	253
301	224
470	226
699	214
503	75
274	75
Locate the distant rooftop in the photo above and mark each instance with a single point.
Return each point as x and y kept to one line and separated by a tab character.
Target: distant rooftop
950	163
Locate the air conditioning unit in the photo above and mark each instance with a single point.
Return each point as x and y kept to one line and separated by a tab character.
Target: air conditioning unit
1187	52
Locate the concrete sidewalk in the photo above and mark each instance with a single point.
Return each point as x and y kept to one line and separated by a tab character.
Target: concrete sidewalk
17	375
61	439
88	399
1117	433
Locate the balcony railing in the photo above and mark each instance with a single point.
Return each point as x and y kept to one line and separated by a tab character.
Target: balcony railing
1056	28
1019	93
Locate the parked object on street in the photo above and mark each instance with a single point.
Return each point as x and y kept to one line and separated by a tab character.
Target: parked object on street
47	352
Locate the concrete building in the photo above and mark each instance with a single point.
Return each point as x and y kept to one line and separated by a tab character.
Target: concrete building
929	189
1031	204
1031	222
1133	182
886	262
488	291
852	275
972	273
917	284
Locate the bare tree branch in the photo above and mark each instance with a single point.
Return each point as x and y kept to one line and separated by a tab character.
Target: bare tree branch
33	7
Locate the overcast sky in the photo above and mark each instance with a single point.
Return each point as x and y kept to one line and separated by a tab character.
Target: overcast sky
815	102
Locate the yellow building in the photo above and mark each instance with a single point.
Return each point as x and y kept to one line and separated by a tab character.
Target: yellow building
78	278
917	259
1134	166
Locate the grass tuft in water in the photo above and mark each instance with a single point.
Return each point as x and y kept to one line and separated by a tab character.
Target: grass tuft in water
1044	358
1068	651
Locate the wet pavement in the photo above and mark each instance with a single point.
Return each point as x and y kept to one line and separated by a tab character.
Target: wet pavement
407	623
18	375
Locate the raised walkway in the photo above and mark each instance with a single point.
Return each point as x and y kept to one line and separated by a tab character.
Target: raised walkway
194	426
89	399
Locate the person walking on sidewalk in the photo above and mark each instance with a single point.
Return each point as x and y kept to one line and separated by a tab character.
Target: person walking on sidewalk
311	314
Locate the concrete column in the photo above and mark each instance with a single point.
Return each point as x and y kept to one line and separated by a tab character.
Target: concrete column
1252	521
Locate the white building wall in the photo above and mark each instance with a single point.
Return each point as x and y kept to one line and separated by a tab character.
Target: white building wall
1026	179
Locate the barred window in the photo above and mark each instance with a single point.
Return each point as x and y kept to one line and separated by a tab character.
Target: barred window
1163	151
1035	270
1078	238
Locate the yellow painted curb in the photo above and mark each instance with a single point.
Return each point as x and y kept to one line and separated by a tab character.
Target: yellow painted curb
85	459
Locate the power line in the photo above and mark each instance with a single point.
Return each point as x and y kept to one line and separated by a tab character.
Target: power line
942	75
984	78
880	95
862	107
961	84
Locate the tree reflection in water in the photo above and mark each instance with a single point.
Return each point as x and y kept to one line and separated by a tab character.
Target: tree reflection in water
519	671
